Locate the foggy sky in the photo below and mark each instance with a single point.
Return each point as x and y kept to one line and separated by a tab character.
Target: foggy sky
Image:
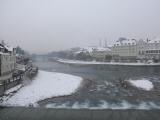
42	26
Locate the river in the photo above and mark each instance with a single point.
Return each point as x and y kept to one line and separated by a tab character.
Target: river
102	85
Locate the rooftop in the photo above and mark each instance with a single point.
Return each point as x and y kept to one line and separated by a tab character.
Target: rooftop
126	42
156	40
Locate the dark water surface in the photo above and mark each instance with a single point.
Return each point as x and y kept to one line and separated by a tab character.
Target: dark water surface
102	88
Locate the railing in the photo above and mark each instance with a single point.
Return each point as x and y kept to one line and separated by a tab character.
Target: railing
9	84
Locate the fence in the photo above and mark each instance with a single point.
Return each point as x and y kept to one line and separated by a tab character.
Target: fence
6	86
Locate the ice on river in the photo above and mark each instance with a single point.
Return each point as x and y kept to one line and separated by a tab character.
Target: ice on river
143	84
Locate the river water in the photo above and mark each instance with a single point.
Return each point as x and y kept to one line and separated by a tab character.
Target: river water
102	88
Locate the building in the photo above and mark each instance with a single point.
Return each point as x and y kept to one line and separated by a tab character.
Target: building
102	54
124	49
7	63
133	50
151	50
92	53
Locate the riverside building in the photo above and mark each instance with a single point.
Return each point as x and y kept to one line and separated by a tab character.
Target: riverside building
7	63
132	50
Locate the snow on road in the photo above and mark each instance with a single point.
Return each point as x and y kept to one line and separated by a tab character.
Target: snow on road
45	85
143	84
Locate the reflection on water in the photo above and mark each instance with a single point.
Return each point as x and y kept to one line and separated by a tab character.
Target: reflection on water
105	85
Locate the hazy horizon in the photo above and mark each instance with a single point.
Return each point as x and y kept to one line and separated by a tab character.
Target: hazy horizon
41	26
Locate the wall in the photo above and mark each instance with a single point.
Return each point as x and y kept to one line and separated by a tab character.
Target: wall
7	65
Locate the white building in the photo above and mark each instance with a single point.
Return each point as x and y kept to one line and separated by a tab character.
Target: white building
123	49
7	63
131	49
152	49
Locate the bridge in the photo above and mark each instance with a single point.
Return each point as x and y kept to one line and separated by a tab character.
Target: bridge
20	113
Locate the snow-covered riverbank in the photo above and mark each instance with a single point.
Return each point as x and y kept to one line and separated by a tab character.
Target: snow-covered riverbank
79	62
45	85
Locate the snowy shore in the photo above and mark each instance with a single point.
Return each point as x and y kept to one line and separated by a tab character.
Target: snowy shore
79	62
45	85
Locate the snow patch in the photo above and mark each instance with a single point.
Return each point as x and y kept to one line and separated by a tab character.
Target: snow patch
143	84
45	85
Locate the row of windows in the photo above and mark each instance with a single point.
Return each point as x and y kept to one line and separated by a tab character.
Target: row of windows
6	57
153	51
7	67
129	44
140	52
124	44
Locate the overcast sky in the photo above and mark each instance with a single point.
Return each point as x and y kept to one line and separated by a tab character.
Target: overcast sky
41	26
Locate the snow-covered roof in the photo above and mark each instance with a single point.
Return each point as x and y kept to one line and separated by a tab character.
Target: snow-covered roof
2	53
9	48
91	49
102	49
79	51
157	40
126	42
118	43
